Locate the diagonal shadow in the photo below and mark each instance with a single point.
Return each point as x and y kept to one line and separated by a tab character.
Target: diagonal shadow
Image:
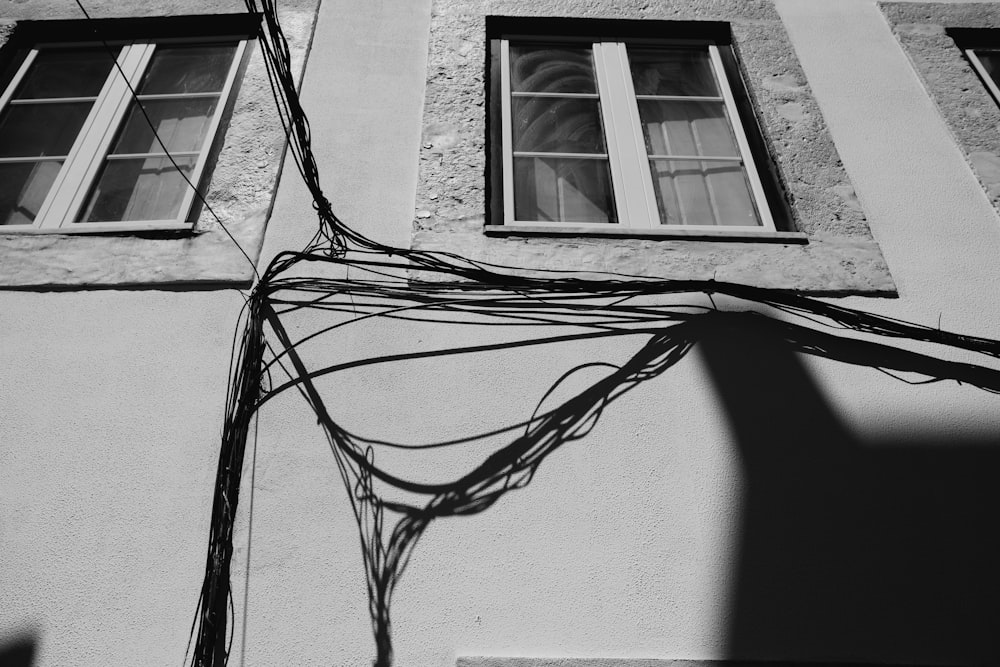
883	550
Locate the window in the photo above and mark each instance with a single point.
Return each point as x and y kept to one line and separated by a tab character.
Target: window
629	134
111	136
987	64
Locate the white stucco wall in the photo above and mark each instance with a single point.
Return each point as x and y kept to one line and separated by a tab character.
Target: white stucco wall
632	542
628	543
111	411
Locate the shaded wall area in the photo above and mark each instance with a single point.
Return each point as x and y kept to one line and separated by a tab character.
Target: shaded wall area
18	651
852	550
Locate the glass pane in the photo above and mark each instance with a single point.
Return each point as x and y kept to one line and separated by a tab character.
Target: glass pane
67	73
23	187
551	69
991	63
187	69
563	190
29	130
564	125
138	189
702	193
686	128
180	124
672	71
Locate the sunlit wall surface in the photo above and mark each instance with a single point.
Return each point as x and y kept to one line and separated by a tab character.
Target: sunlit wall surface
751	502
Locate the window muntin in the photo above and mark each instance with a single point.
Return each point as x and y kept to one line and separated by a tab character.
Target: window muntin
104	169
614	134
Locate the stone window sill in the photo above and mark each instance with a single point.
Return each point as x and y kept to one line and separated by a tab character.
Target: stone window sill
662	234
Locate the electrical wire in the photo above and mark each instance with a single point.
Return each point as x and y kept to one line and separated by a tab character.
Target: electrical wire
464	293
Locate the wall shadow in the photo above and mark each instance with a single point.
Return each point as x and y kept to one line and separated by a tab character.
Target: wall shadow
19	651
852	550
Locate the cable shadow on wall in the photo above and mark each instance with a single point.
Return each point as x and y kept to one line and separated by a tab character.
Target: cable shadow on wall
520	296
797	459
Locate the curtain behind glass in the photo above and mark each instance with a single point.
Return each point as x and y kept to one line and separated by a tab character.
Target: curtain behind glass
683	115
38	128
179	94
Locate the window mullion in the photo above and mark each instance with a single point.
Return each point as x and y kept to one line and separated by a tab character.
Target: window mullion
507	134
626	153
760	200
98	132
645	179
605	74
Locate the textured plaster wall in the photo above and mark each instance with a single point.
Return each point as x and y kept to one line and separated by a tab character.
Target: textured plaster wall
111	404
840	255
112	400
240	188
627	544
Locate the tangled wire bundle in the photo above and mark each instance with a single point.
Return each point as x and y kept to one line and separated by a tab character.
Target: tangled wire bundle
492	295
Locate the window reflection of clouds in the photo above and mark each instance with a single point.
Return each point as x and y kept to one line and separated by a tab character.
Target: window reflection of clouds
558	189
552	70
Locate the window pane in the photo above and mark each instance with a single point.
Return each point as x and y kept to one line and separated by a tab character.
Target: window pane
188	69
29	130
563	190
551	69
67	73
991	63
138	189
672	72
702	193
564	125
23	187
686	128
180	124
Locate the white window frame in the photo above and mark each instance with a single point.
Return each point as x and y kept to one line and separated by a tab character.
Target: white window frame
632	180
81	167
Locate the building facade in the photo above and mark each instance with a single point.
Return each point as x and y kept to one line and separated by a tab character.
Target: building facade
772	494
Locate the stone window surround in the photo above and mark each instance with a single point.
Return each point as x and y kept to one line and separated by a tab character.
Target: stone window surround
839	255
243	170
927	32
